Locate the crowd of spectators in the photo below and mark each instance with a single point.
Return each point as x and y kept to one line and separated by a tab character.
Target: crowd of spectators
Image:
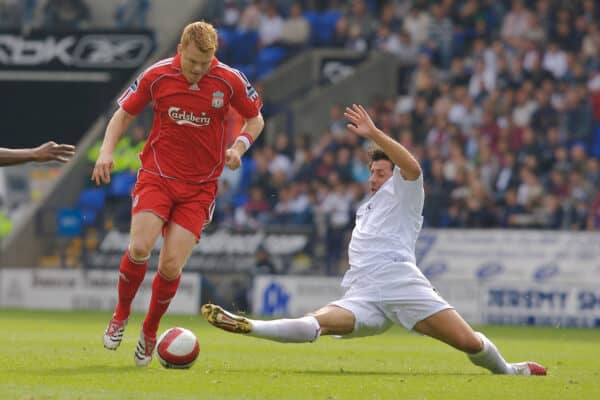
65	15
499	100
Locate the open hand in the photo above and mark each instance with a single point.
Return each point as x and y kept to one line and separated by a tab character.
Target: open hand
51	151
360	121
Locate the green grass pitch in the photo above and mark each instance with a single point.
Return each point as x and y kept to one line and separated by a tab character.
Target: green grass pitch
59	355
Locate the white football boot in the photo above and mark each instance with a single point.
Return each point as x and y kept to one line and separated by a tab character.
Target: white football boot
144	350
114	333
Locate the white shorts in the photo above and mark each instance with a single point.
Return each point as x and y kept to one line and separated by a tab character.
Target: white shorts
389	297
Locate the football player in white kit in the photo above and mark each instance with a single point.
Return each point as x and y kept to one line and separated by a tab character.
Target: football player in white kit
384	285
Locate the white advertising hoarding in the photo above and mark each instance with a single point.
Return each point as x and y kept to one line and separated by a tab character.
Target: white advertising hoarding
293	295
78	289
490	276
481	255
573	304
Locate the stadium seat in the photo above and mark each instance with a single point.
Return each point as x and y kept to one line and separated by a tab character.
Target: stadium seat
313	20
91	203
226	38
325	28
268	59
69	222
243	47
121	184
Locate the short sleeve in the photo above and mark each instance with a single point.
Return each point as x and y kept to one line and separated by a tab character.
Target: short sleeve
245	99
137	96
412	192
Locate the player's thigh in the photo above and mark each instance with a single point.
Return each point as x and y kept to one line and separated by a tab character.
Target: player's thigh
145	228
411	299
195	206
449	327
363	302
177	247
334	320
150	209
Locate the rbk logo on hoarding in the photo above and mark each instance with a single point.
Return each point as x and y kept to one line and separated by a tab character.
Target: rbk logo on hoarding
75	50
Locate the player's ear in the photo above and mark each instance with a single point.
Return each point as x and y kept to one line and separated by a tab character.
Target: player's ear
179	48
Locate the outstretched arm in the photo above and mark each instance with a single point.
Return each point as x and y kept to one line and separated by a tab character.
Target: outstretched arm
362	125
49	151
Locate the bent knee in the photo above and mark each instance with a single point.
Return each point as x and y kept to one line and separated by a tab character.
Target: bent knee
170	267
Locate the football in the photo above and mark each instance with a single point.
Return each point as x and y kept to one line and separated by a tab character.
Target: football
177	348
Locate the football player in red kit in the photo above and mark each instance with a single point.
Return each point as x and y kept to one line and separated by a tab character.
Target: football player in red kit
182	160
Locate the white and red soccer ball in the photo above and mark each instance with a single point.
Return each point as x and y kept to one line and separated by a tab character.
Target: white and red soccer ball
177	348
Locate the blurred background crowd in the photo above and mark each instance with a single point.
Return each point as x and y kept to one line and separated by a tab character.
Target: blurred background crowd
68	14
499	101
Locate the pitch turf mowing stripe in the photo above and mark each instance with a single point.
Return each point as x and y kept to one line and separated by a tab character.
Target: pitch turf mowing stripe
59	355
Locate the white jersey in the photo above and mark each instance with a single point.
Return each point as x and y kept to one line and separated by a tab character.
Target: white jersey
387	226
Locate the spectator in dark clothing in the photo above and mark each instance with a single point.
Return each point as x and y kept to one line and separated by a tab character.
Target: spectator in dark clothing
256	209
552	214
530	146
458	73
511	210
536	74
66	14
261	176
343	165
577	116
306	170
556	184
507	176
326	165
437	188
545	116
263	263
451	217
132	14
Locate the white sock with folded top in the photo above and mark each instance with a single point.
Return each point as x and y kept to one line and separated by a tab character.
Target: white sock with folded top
490	357
297	330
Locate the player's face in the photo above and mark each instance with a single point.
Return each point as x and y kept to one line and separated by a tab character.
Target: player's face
381	171
194	63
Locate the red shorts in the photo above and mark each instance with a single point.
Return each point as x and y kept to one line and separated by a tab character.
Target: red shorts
188	205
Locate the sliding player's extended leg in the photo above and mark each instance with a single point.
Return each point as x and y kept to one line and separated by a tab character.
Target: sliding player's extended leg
449	327
328	320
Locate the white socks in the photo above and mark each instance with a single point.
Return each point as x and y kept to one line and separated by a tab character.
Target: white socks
298	330
490	357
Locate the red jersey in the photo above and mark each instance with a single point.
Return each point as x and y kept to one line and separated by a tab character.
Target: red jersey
188	137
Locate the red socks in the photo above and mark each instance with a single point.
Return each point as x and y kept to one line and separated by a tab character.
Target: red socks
131	275
163	291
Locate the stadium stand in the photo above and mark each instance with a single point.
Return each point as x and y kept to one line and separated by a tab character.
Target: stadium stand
499	101
496	99
32	195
